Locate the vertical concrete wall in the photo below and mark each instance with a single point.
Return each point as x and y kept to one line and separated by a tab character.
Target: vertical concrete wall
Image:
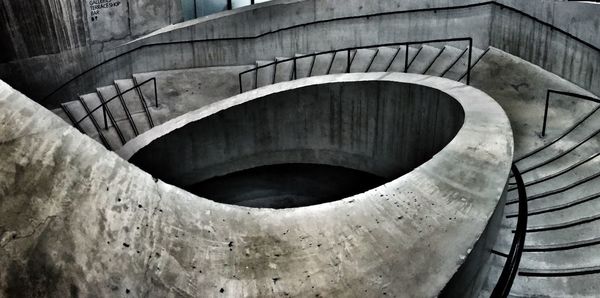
551	49
578	18
39	75
382	128
319	36
43	27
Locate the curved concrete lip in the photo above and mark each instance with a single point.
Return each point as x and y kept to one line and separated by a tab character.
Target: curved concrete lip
409	235
107	226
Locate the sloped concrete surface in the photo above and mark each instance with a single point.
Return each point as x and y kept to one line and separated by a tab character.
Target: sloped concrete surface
75	219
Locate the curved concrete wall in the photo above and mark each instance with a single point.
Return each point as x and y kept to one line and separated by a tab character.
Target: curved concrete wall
75	219
383	128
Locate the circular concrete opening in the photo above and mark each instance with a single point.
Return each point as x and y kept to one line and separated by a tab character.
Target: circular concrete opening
306	145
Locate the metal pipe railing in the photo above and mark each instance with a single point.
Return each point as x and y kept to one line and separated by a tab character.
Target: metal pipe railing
550	91
511	267
118	95
53	94
349	49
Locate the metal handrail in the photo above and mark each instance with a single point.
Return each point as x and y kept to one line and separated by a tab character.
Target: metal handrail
119	95
349	49
589	98
443	8
511	267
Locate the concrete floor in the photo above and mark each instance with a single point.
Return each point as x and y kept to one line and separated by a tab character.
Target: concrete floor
286	185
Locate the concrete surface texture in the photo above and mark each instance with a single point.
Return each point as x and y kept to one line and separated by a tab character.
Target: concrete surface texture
333	34
438	59
281	37
383	128
29	29
520	88
89	223
177	91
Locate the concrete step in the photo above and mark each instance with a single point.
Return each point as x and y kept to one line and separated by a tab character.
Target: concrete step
424	59
283	70
60	113
183	90
77	111
496	265
321	65
383	59
444	61
303	66
398	62
147	90
265	75
565	161
116	108
587	228
132	98
560	286
557	169
568	178
459	69
105	132
561	158
362	60
139	119
552	197
569	258
569	213
580	133
340	62
92	100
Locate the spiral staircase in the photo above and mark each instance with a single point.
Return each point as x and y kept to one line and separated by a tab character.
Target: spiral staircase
560	171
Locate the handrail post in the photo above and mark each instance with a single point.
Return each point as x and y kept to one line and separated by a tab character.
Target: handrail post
406	59
240	81
545	113
256	77
104	114
155	94
348	64
469	63
294	74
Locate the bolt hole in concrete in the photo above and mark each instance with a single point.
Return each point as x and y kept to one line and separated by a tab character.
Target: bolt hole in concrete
302	146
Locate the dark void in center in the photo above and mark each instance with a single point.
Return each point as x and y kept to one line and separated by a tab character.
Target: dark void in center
286	185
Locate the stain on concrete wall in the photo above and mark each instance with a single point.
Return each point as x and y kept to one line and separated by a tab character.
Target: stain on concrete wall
42	27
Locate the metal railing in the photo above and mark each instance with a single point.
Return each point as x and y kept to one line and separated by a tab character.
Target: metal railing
350	57
106	111
550	91
511	267
46	101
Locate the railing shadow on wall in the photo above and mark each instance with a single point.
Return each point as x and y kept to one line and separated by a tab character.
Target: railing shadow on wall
350	57
52	99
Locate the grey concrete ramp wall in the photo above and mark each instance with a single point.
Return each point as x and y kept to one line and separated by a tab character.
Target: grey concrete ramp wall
76	219
549	48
